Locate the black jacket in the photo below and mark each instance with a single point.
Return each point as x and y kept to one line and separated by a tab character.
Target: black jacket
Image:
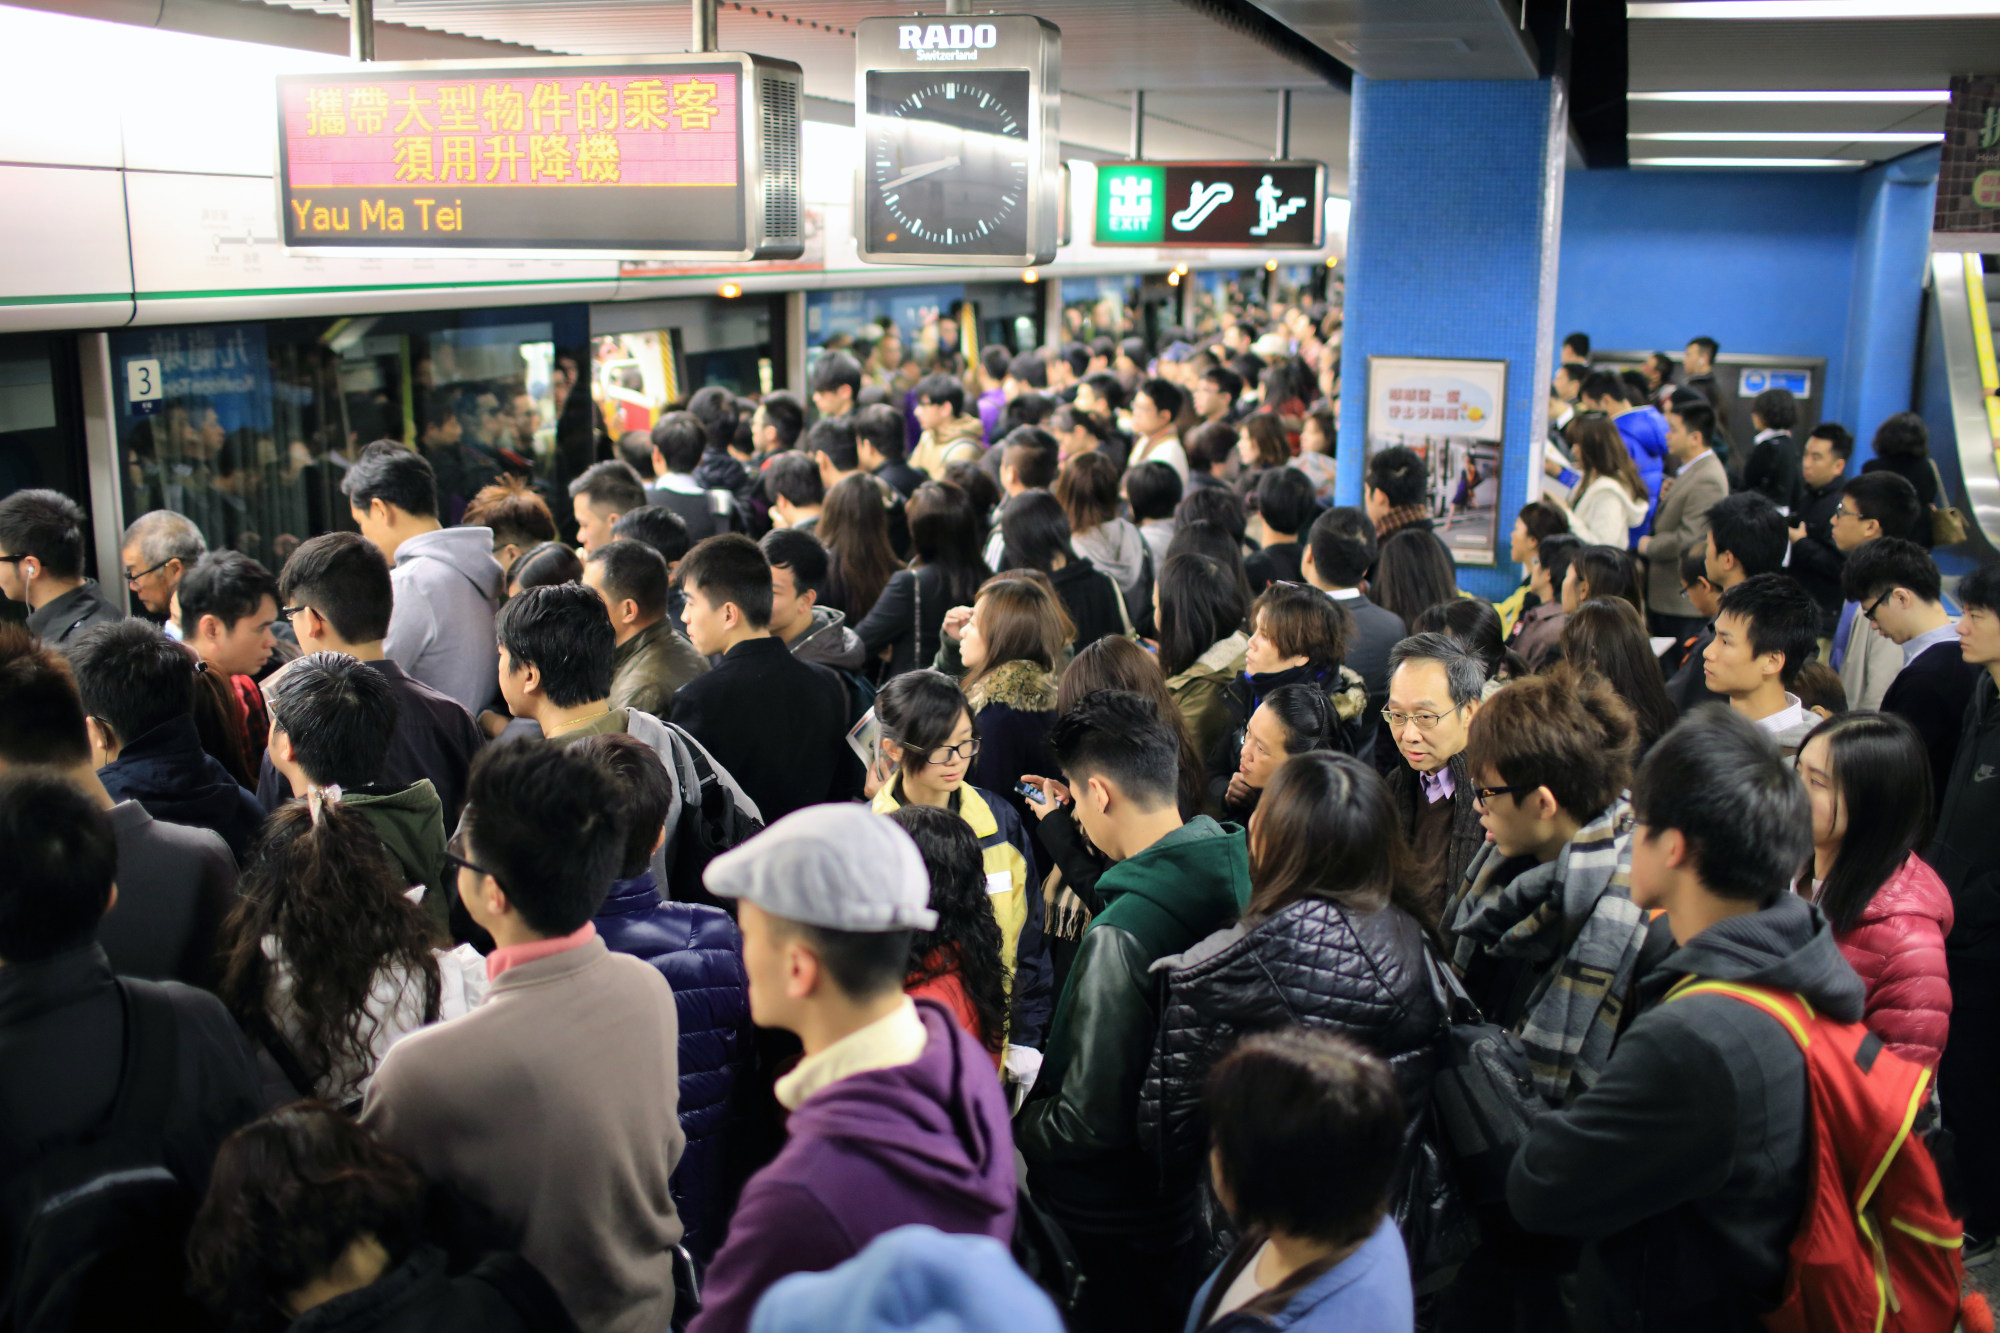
503	1293
776	723
1774	468
1467	833
1688	687
1685	1165
434	738
1931	694
1278	563
1816	561
166	770
908	618
1377	629
1966	849
175	884
64	621
1092	598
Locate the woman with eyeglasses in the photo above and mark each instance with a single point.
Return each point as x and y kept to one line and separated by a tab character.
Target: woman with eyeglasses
929	741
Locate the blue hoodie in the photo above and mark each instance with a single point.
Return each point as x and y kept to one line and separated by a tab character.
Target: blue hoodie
914	1278
1645	434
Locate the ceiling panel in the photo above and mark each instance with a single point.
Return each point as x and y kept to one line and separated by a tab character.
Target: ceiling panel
1415	39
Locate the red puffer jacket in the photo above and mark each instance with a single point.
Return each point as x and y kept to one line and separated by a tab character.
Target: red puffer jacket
1897	947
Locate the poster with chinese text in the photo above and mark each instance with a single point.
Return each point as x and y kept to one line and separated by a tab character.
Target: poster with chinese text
1452	415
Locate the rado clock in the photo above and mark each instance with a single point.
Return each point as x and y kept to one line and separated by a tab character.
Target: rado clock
959	136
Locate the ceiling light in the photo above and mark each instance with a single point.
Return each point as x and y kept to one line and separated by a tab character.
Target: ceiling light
1901	97
1791	136
1812	9
1749	162
729	291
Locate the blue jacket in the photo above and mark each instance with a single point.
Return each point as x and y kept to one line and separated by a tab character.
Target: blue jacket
697	949
166	771
1367	1292
1645	435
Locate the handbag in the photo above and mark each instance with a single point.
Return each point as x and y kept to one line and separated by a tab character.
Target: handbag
1484	1096
1948	526
1042	1248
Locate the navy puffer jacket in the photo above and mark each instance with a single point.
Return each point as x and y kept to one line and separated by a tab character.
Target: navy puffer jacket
698	950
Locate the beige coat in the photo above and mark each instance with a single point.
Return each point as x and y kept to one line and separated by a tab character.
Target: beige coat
1680	524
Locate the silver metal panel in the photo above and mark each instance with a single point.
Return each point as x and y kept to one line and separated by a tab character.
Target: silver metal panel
100	446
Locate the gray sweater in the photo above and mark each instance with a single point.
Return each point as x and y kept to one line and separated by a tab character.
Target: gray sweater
553	1104
447	587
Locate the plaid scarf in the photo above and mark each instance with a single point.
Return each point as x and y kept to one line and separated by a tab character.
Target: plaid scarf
1575	916
1400	518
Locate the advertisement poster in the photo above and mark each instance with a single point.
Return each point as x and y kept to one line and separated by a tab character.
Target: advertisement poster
1453	415
1967	216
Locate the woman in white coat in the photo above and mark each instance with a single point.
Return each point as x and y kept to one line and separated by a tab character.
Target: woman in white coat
1611	499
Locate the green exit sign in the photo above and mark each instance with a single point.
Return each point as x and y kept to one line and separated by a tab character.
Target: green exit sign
1131	204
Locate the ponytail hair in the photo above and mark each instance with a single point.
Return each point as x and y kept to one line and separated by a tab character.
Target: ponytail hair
1307	716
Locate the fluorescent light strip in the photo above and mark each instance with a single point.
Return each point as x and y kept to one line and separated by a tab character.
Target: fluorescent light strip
1790	136
1812	9
1901	97
1766	162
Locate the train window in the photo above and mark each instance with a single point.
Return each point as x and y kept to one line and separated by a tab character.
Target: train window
40	442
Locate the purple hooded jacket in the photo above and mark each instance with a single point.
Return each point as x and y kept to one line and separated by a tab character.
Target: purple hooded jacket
924	1142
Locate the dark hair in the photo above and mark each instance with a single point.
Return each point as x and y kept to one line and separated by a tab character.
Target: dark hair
1566	730
1818	686
966	940
942	391
1887	563
1903	436
1122	738
1601	452
1882	776
1308	719
635	571
1035	532
1115	662
1267	436
1030	370
131	678
228	585
1133	350
1778	410
1218	505
715	408
681	440
1707	345
1323	418
979	486
1307	1129
1109	389
919	710
730	568
1399	474
1610	571
563	631
1601	382
1285	501
611	485
1326	827
1343	546
344	577
833	369
47	525
1555	553
1033	453
1226	381
800	552
786	415
1839	438
1304	622
945	535
288	1194
544	566
1473	624
994	359
1748	526
516	514
1694	566
644	793
326	889
1153	489
1023	620
635	449
61	855
1977	591
882	427
394	474
1578	343
1543	520
1166	395
1087	490
1718	780
546	821
1412	573
41	717
1606	635
657	526
1200	605
1077	355
834	437
1697	417
1889	499
863	964
854	528
794	478
340	714
1781	617
1465	674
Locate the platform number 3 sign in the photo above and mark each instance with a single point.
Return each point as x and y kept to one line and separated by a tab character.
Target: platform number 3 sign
142	385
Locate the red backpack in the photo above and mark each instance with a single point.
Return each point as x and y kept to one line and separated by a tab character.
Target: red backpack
1876	1250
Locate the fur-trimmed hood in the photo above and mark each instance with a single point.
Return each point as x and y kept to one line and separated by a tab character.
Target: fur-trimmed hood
1019	684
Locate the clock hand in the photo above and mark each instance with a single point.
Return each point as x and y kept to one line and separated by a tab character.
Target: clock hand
919	172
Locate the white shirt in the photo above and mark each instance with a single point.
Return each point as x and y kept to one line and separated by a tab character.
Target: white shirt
1788	718
1930	638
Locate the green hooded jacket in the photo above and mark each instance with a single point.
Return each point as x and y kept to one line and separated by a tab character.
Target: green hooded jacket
410	824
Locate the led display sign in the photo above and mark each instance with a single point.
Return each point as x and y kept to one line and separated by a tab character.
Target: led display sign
1257	205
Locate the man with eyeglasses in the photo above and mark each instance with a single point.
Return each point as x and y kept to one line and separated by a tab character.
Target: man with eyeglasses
1434	690
159	548
41	564
1872	505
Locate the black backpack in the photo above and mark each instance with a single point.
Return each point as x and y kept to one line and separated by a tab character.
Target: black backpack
711	823
96	1227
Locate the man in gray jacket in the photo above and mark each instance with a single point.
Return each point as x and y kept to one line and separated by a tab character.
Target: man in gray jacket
447	582
1682	520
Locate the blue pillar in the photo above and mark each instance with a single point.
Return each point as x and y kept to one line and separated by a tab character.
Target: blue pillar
1891	250
1457	215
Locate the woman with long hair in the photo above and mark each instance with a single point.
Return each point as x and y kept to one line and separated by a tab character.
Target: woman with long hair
1292	719
1011	642
1260	446
1207	537
1869	780
1087	490
958	962
1036	535
929	742
1605	635
945	570
1200	611
854	528
1604	571
326	960
1474	625
1333	938
1611	499
1413	572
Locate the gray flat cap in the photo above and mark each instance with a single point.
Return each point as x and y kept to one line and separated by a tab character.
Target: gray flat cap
840	867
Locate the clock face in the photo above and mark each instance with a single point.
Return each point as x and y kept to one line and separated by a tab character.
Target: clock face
947	165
